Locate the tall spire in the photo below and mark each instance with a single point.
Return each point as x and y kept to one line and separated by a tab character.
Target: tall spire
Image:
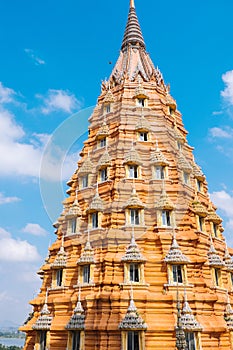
133	33
132	4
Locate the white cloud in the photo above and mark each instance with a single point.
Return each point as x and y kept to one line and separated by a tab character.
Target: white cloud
19	158
217	132
59	100
16	158
36	59
229	226
42	138
6	200
35	230
6	94
217	112
227	93
224	201
22	155
4	233
16	250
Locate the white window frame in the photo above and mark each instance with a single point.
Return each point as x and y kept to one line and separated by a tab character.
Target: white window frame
42	335
124	339
178	273
143	136
86	273
59	277
215	229
141	102
71	344
133	169
103	142
199	185
95	220
103	174
186	178
217	277
134	216
108	108
132	345
84	181
191	342
160	172
166	218
134	272
201	223
76	344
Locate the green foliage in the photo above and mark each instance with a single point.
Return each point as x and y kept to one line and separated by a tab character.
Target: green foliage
3	347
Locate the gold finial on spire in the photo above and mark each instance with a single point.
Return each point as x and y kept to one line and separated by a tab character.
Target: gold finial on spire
132	4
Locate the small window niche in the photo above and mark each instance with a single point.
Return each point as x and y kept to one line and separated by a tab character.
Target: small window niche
134	272
72	226
58	277
191	341
107	108
141	102
84	181
134	216
215	229
217	277
172	110
102	142
186	178
103	174
133	340
86	273
160	172
166	216
42	341
94	220
199	185
75	340
133	171
201	223
177	274
143	136
231	279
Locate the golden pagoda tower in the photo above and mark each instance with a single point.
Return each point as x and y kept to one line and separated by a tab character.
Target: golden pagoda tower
140	261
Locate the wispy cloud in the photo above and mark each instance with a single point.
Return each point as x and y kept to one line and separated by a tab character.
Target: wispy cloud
227	93
224	201
217	112
34	57
16	250
59	100
6	94
34	229
225	133
6	200
22	154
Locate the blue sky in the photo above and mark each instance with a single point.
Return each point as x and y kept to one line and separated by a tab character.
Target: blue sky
54	55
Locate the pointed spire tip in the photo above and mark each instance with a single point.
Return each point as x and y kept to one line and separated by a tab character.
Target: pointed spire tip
132	4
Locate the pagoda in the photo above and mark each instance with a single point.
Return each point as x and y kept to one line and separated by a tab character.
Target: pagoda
140	261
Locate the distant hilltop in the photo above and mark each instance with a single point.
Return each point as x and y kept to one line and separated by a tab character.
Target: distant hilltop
8	326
